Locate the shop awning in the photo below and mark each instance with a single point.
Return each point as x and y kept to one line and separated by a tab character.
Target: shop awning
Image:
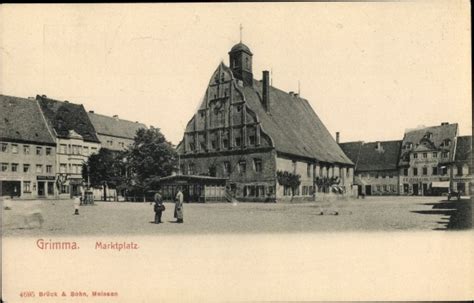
441	184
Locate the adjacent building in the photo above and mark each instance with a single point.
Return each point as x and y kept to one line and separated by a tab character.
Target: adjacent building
114	133
75	139
427	160
463	173
256	135
376	166
27	150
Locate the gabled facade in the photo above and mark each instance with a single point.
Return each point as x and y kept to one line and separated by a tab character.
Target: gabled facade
250	132
75	138
27	150
427	158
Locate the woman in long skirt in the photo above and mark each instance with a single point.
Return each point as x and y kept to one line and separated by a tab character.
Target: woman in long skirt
178	207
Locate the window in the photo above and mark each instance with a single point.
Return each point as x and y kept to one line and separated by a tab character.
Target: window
85	150
93	150
214	144
110	142
379	188
225	143
242	167
26	168
191	169
39	168
191	146
4	147
415	155
63	148
425	155
49	168
293	163
385	188
258	165
425	171
434	170
15	148
26	149
39	150
405	171
237	141
459	170
203	145
435	154
27	186
62	168
308	170
226	168
14	167
445	154
252	140
48	151
76	149
4	166
415	171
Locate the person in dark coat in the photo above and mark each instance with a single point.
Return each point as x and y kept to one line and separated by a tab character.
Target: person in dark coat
158	207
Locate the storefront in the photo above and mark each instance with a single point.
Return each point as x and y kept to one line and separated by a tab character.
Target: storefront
45	186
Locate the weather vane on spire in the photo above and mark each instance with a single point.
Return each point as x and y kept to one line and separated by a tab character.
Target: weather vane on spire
241	32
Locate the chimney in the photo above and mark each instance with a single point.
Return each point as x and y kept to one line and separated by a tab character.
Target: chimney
291	93
266	90
444	123
296	95
116	117
337	137
91	111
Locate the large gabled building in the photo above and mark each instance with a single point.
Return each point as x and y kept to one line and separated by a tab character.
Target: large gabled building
463	166
254	135
76	140
427	159
27	150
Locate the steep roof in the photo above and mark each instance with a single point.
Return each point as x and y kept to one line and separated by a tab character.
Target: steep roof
432	137
464	149
293	125
65	116
352	150
112	126
21	120
373	159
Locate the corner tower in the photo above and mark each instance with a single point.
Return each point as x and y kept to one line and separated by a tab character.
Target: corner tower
240	58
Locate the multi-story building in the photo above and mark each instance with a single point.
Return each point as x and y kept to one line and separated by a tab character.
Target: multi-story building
75	138
427	158
376	166
463	172
256	135
114	133
27	150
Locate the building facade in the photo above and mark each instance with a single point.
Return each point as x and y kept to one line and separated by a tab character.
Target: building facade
256	135
463	172
376	166
75	139
27	150
427	160
114	133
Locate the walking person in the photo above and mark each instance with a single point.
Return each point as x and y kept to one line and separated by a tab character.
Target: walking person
178	206
158	207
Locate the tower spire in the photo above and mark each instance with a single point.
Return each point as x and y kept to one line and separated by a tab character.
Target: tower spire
241	28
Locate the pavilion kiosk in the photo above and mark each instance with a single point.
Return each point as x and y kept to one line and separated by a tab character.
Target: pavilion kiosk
194	188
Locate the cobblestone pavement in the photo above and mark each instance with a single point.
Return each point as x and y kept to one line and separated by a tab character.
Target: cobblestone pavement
55	217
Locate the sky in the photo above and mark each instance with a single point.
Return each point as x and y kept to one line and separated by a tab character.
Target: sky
369	70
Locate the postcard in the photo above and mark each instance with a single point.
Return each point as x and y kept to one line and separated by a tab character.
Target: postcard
179	152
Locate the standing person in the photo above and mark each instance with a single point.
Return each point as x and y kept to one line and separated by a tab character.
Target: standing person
159	207
178	207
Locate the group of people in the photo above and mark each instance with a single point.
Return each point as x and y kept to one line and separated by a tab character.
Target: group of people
159	207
